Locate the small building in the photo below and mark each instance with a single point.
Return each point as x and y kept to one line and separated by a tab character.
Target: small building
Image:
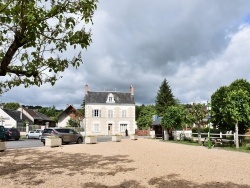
109	112
12	118
156	126
18	118
70	113
36	117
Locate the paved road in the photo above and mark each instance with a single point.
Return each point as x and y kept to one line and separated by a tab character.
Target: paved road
23	143
28	143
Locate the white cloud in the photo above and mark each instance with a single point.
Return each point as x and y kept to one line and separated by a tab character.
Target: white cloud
196	45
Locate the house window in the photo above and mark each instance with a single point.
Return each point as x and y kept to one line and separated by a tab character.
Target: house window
110	113
124	113
96	113
123	127
95	128
110	98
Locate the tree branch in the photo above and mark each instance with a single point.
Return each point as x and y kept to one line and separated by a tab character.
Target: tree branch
18	42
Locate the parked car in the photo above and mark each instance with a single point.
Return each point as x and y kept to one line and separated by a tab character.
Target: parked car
2	133
12	133
67	135
37	133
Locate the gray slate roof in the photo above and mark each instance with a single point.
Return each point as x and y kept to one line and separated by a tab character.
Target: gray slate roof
37	115
101	97
16	115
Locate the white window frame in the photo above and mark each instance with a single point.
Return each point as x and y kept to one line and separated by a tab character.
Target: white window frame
123	127
96	113
124	113
96	127
110	113
110	98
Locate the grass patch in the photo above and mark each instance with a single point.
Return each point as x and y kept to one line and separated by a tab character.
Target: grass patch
225	147
186	142
22	137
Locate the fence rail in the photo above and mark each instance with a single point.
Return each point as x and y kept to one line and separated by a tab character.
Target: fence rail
226	136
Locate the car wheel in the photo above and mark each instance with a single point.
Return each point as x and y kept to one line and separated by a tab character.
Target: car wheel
16	138
27	136
79	141
39	137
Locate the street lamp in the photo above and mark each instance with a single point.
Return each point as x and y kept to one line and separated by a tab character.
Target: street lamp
208	118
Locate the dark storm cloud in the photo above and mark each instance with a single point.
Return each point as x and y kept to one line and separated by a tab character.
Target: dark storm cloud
141	42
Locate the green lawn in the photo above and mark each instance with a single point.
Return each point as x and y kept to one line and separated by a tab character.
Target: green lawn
226	147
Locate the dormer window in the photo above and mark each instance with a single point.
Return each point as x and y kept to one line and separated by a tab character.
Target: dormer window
110	98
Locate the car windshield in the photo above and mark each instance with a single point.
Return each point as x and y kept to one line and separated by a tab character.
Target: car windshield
47	131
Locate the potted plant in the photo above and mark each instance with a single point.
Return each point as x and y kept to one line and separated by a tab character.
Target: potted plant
133	137
90	139
2	145
116	138
53	141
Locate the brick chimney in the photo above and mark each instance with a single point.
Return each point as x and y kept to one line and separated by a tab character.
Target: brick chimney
86	89
131	90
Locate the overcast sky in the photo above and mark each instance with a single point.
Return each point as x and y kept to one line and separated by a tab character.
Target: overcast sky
198	46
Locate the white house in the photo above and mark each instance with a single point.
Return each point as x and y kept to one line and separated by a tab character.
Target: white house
109	112
12	118
17	118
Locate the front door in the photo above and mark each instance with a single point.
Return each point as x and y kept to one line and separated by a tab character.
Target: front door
110	129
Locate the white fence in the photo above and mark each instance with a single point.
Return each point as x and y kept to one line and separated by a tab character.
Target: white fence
180	134
229	136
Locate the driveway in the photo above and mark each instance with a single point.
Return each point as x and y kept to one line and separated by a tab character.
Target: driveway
142	163
30	143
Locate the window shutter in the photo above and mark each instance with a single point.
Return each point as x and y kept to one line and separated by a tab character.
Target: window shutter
93	113
100	113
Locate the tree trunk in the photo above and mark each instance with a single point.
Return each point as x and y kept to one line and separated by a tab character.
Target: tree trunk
237	135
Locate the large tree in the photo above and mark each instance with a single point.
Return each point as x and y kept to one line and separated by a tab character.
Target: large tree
145	118
35	36
164	98
196	115
219	104
237	110
173	118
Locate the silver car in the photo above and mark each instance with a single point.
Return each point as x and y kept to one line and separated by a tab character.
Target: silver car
67	135
37	133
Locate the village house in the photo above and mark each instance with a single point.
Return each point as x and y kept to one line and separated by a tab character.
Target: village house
109	112
22	116
70	113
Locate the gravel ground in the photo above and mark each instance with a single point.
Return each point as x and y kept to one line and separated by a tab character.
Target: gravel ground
129	163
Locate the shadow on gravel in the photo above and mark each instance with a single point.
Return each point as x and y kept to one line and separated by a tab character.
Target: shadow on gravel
173	181
169	181
30	170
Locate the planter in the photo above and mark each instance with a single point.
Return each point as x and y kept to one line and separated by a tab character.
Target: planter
2	146
133	137
116	138
90	140
53	142
152	134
